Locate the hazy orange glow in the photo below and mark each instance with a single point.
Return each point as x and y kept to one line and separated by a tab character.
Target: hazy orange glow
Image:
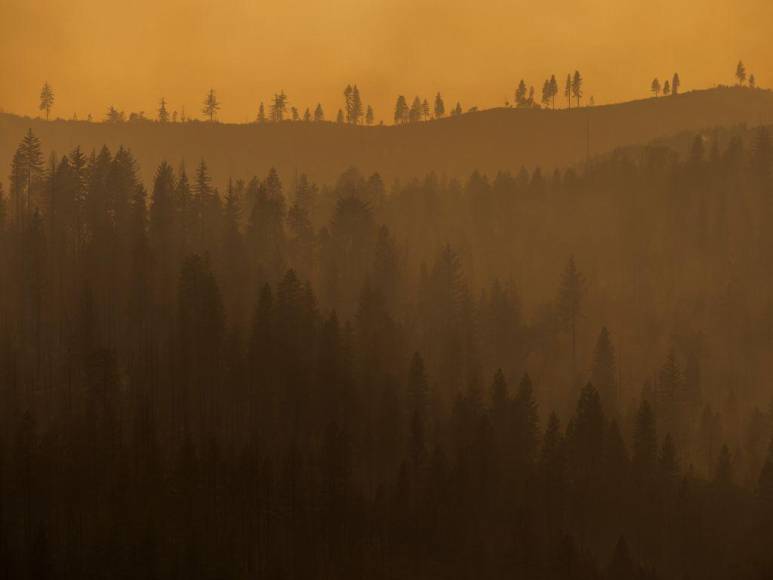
97	53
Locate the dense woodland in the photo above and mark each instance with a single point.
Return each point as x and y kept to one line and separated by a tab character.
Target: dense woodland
559	375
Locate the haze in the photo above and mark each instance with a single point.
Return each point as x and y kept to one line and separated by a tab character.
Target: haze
130	55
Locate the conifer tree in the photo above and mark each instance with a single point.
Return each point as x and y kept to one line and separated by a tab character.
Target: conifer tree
553	90
568	91
604	371
369	116
569	304
577	86
520	94
163	114
655	87
440	107
740	73
676	83
261	113
415	113
211	105
279	107
46	98
401	111
319	114
667	87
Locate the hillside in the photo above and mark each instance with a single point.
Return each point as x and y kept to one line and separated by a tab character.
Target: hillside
488	140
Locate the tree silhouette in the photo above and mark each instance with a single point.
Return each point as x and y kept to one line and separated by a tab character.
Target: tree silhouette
401	111
655	87
440	107
369	115
752	81
520	94
577	86
261	113
569	303
546	95
553	89
667	87
675	84
211	105
568	91
740	73
319	114
163	114
416	111
279	107
46	98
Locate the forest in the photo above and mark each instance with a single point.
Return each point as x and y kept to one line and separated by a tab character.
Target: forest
556	375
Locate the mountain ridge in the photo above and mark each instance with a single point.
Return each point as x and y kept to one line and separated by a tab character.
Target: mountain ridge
487	140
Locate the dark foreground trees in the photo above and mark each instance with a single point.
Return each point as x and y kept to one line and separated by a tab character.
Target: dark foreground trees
333	382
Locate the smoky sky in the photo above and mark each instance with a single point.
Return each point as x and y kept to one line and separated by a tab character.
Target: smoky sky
98	53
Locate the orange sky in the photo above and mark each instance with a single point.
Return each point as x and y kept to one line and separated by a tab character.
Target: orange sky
129	54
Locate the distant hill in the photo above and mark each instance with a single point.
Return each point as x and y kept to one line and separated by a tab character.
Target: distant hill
489	140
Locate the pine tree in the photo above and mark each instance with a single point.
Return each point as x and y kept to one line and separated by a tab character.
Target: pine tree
307	115
319	114
46	98
425	111
414	115
577	86
570	297
740	73
211	105
279	107
26	176
546	93
604	371
261	113
675	84
667	88
356	113
401	111
163	114
752	81
520	94
369	116
553	89
440	107
348	103
568	91
655	87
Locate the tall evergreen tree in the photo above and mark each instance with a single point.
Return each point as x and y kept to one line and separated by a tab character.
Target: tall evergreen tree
211	105
440	107
46	98
163	114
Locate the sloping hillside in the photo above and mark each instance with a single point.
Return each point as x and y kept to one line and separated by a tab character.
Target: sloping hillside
488	140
